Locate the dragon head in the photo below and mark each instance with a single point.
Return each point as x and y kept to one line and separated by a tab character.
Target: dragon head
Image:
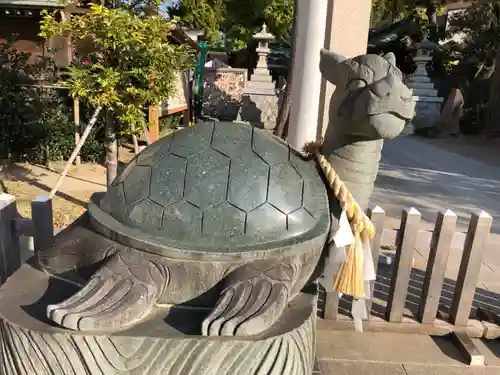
370	101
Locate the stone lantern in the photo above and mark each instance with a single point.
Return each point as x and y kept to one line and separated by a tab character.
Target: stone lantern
263	37
428	103
259	100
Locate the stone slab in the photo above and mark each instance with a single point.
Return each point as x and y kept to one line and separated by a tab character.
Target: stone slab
430	99
418	78
448	370
491	351
424	92
360	368
386	347
420	85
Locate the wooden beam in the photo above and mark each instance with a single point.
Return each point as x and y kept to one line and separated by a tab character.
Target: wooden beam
76	117
474	328
154	123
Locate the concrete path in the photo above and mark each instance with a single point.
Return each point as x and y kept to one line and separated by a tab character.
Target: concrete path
417	173
349	353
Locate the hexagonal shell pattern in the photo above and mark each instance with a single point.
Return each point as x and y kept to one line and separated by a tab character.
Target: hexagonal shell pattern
222	185
248	183
207	177
167	180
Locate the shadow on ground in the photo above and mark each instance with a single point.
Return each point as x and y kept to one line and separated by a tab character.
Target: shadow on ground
416	174
484	300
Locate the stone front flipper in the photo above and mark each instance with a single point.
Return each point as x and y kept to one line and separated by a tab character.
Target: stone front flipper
31	344
119	295
253	299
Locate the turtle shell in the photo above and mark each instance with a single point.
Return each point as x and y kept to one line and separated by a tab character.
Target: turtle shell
216	187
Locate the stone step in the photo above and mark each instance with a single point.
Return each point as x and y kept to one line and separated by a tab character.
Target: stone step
387	347
427	99
375	353
258	85
419	78
425	92
420	85
374	368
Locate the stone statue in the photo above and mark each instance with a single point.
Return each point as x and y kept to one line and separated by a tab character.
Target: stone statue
370	104
214	231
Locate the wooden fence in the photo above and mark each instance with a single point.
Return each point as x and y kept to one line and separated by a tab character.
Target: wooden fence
413	301
13	226
384	314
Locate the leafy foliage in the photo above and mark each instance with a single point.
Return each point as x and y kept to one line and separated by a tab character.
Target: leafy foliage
388	11
478	60
35	119
237	20
124	59
481	27
200	14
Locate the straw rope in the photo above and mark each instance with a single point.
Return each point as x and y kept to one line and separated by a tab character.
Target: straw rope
350	277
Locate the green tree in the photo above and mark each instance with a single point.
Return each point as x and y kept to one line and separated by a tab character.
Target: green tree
237	20
207	15
388	11
124	62
481	25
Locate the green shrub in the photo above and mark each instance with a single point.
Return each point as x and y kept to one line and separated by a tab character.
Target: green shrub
36	122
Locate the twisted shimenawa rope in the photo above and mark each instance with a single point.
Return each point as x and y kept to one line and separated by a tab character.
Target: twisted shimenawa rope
349	279
360	223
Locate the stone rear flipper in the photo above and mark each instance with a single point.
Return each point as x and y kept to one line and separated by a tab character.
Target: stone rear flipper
168	342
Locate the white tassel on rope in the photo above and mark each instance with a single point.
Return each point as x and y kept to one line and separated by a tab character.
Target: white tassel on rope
369	273
340	237
358	310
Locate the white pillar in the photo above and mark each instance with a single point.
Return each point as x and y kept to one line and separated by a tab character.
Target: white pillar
347	26
309	39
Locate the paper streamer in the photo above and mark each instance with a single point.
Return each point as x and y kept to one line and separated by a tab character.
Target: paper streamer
343	236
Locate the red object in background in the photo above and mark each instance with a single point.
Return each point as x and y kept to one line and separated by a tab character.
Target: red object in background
85	62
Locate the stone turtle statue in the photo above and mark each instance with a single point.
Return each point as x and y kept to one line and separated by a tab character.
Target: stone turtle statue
224	215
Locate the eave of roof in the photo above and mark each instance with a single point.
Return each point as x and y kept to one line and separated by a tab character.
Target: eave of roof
181	37
30	3
459	5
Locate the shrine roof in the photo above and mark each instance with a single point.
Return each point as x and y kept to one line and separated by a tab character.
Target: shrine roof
29	3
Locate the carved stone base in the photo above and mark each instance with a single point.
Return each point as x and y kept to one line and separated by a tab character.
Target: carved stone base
169	343
260	109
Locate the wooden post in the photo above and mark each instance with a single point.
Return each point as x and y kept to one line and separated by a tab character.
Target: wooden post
377	216
76	116
43	224
154	124
406	239
442	238
135	140
10	255
475	241
331	311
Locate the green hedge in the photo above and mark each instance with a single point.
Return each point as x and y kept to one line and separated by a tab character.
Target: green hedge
36	122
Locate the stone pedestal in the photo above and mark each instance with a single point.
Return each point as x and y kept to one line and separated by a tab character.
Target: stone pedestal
428	103
259	100
168	343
